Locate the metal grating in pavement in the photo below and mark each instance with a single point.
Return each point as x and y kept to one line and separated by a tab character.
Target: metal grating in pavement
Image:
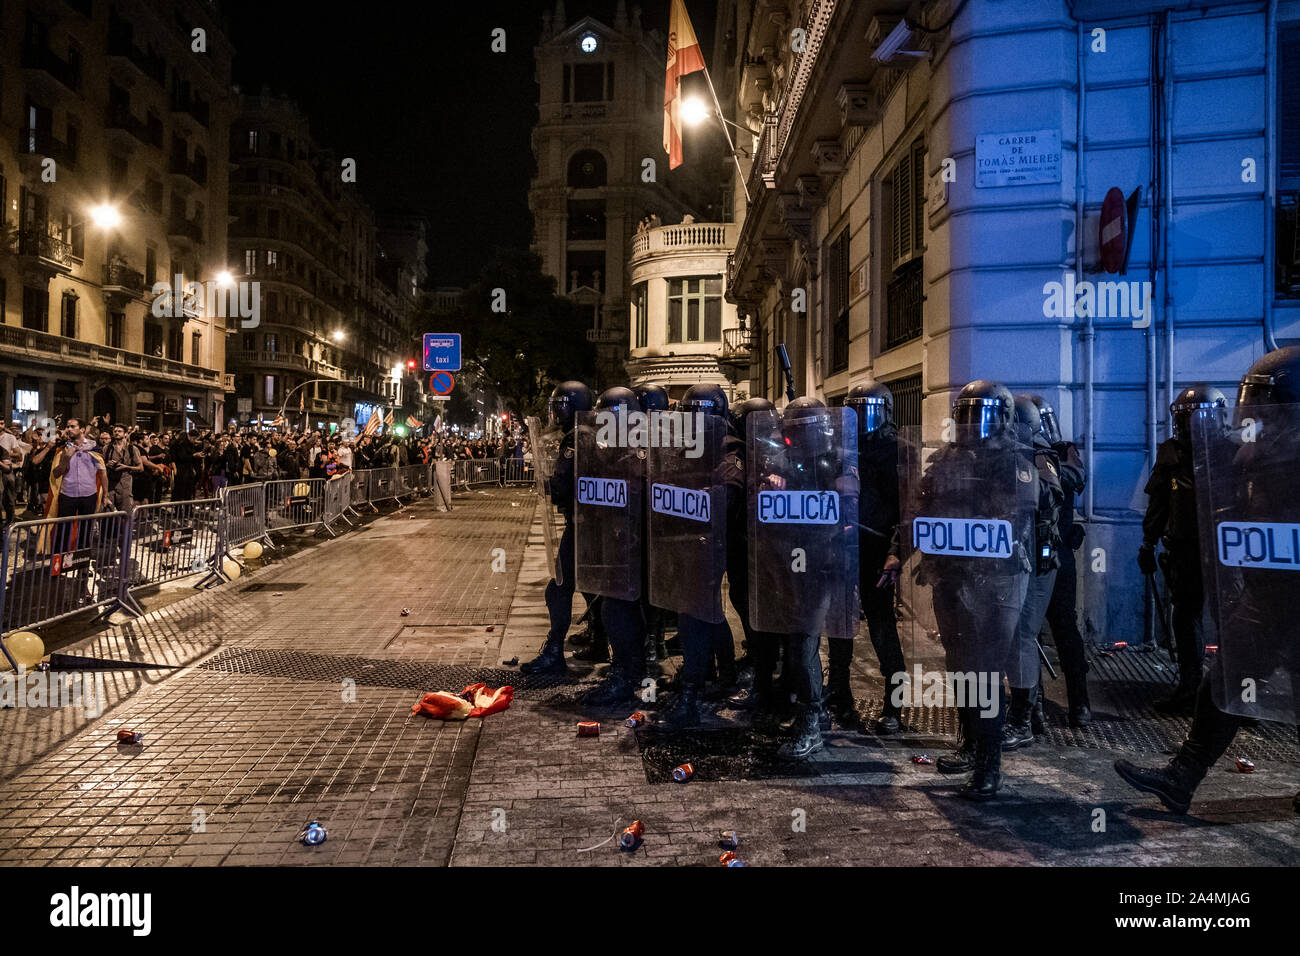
378	672
274	586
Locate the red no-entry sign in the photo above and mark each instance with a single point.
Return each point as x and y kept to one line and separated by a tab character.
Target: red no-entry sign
441	383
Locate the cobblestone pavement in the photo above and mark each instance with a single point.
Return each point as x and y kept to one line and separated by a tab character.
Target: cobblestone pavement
251	731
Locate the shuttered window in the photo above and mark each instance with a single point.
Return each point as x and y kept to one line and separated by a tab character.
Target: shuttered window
1287	211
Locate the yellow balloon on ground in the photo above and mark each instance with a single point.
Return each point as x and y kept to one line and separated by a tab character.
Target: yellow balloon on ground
252	550
26	648
231	568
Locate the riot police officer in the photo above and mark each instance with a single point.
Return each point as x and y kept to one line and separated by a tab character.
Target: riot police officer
567	401
1062	610
763	647
1257	667
1171	519
873	404
808	560
1023	671
620	607
704	642
984	478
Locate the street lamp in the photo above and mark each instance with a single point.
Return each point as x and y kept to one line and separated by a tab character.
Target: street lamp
225	279
339	335
695	111
105	216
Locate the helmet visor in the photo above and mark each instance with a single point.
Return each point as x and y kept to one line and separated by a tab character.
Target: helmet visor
980	418
873	415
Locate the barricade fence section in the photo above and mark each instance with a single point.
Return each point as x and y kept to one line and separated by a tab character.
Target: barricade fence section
519	472
383	485
167	541
243	515
55	567
294	503
338	495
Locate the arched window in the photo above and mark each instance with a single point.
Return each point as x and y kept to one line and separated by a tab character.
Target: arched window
587	170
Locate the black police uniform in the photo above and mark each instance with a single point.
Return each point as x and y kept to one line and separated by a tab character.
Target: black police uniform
878	524
1062	611
1171	518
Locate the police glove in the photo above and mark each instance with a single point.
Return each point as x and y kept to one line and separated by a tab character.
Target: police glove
1147	559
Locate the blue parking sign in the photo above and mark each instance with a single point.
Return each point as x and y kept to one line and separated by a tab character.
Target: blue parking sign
442	351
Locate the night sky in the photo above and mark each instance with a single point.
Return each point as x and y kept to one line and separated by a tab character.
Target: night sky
439	125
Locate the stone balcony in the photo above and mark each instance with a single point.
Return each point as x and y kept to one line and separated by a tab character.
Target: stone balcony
685	239
44	347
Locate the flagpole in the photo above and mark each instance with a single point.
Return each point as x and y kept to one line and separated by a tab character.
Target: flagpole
722	119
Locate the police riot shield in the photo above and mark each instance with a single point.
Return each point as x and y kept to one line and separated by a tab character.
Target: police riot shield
687	518
967	546
802	493
608	492
1249	523
546	449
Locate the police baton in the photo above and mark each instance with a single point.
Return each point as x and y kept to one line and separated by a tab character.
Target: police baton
1043	654
1161	613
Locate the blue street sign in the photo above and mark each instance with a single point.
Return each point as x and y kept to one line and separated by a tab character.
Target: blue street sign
442	351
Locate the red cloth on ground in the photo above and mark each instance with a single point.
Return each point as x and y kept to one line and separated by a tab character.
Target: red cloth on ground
476	700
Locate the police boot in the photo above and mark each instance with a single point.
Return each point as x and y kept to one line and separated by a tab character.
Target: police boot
1183	699
583	638
838	694
596	651
1037	719
1018	731
807	735
683	711
889	721
550	660
963	759
1174	783
1076	689
984	782
618	688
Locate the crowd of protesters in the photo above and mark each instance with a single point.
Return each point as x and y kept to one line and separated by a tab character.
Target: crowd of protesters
89	467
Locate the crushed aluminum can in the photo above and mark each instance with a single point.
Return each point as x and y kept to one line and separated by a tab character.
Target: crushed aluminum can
490	628
922	759
129	736
635	720
730	840
632	836
684	772
313	834
1245	766
406	611
730	859
588	728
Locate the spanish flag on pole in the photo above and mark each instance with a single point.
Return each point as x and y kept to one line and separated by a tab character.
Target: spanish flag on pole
684	56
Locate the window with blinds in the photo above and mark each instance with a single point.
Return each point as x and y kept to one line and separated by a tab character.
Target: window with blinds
903	279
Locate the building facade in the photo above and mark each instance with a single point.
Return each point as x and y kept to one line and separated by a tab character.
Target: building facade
937	212
336	334
601	168
680	318
113	124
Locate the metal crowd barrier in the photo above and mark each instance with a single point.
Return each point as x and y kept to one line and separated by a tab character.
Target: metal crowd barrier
338	496
359	492
519	472
243	516
170	540
467	472
383	486
56	567
294	503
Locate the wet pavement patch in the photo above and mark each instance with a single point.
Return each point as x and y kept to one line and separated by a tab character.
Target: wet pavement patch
733	753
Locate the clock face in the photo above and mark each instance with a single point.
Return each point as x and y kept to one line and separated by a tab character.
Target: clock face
589	43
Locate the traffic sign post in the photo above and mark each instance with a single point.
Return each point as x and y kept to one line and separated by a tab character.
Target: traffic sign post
442	351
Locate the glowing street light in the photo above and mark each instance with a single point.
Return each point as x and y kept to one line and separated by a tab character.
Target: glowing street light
695	111
225	279
105	216
338	335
